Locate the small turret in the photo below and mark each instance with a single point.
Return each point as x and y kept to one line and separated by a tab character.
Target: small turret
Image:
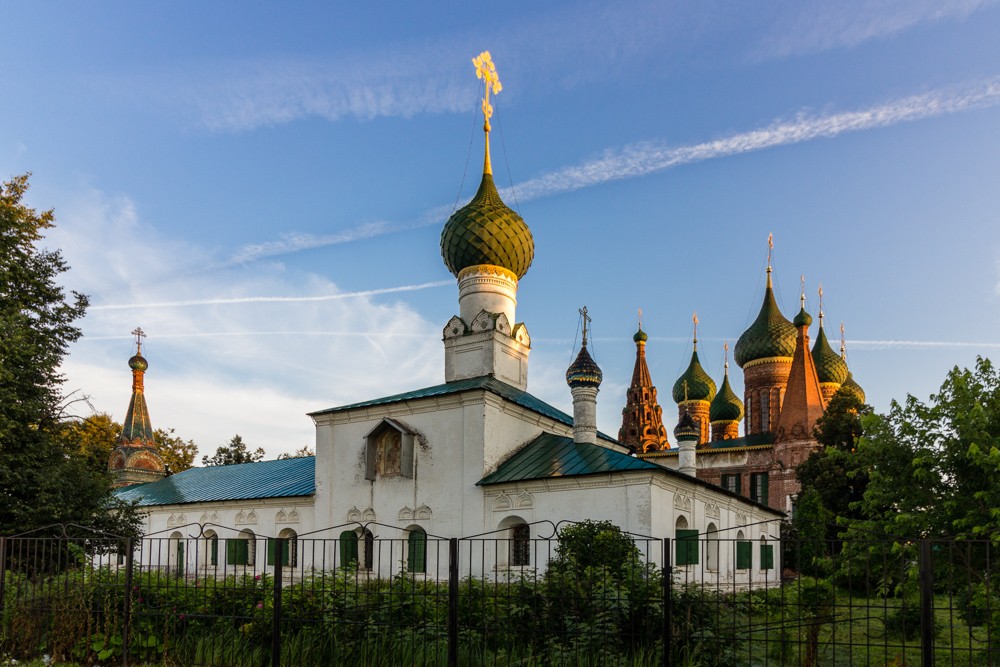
726	410
584	379
135	459
694	390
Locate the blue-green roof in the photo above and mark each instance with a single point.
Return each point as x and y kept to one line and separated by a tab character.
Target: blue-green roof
265	479
551	455
485	382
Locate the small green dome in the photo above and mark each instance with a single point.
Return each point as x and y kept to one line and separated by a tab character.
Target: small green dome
803	319
829	366
853	387
770	335
686	429
485	231
700	385
138	363
584	372
726	406
640	336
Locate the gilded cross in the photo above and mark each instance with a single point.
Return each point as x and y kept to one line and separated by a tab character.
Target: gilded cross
586	319
694	318
139	335
487	71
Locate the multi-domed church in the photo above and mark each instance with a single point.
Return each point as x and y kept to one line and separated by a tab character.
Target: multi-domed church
786	389
476	455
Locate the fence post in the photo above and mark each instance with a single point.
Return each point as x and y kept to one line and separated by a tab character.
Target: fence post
279	551
668	605
3	573
926	604
453	602
127	600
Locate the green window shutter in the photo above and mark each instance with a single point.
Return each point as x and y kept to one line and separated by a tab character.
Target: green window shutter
744	555
270	551
767	556
417	552
286	552
213	551
231	552
686	549
348	548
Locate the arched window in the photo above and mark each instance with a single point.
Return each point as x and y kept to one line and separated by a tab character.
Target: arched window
416	550
348	549
712	547
520	545
685	543
211	557
369	550
177	553
242	549
289	549
744	552
765	411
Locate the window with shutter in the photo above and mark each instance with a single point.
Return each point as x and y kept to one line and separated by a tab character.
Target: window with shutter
349	549
416	556
686	547
744	555
767	556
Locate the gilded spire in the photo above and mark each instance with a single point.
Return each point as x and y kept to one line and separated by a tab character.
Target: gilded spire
843	343
487	71
770	248
694	319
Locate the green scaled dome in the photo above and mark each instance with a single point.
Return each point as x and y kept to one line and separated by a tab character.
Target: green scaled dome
640	336
829	366
138	363
803	319
584	372
485	231
853	387
726	406
700	385
770	335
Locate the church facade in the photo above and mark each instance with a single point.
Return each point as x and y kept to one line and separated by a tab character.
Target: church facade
475	457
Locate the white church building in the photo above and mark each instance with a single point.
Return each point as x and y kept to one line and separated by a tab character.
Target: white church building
476	457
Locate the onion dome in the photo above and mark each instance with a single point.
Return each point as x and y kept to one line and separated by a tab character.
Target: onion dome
686	428
770	335
829	366
853	387
138	363
726	406
803	319
485	231
584	372
700	385
640	336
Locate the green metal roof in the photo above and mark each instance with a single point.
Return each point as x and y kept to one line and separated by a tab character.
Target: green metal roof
484	382
264	479
770	335
700	385
726	406
551	455
486	231
829	366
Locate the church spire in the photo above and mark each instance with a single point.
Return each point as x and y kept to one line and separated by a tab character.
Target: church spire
642	418
135	460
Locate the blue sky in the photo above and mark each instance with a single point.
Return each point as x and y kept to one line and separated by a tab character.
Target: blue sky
262	190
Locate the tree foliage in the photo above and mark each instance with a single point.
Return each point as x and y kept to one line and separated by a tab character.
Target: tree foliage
836	472
934	467
40	482
178	454
298	453
233	452
96	436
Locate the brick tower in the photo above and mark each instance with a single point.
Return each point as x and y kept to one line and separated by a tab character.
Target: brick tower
642	418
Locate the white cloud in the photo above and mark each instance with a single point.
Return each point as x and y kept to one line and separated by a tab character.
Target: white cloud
238	363
641	159
812	27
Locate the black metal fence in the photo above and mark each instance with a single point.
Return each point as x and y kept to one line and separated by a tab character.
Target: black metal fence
374	595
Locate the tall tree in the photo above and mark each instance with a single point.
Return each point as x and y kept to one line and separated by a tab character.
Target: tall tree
178	454
40	482
235	451
934	467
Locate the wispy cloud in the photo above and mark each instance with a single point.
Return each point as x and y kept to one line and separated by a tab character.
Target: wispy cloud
272	299
641	159
917	344
810	27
